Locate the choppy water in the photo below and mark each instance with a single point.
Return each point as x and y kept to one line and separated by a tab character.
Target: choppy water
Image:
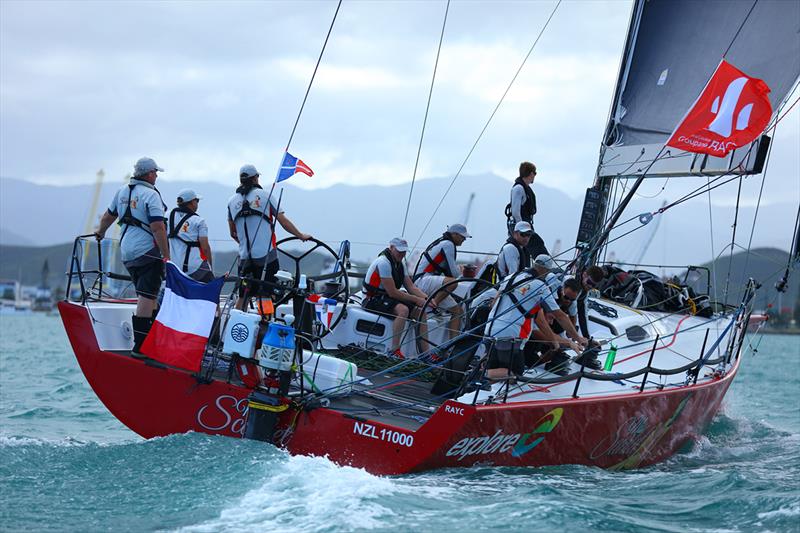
66	464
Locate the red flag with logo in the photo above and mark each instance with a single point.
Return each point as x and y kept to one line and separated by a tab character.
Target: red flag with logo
732	111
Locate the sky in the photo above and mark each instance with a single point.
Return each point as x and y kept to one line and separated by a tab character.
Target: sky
204	87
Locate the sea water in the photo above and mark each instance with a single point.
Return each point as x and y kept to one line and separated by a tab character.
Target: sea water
66	464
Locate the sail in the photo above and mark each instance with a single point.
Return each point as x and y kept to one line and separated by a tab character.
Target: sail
673	47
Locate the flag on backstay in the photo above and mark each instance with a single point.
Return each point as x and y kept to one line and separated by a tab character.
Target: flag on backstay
731	112
291	166
324	308
181	329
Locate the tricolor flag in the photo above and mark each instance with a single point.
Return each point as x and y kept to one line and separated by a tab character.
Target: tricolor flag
180	332
291	166
324	308
731	112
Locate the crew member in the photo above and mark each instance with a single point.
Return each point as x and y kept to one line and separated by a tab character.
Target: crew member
252	212
513	256
437	266
545	268
590	278
188	238
522	207
382	283
143	243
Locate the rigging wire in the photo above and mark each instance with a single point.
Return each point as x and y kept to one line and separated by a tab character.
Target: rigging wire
485	127
425	120
740	29
711	232
733	241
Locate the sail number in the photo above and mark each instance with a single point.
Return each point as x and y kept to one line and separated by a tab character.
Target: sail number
387	435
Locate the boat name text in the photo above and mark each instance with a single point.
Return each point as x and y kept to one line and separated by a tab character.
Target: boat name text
387	435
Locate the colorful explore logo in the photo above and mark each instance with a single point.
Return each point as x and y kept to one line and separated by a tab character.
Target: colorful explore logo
518	444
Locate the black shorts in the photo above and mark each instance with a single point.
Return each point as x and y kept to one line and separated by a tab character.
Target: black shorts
506	353
254	269
147	278
384	305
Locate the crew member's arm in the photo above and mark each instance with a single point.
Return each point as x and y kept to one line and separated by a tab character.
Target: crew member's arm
159	230
289	226
564	320
582	314
517	199
557	340
393	292
205	249
232	230
105	221
416	291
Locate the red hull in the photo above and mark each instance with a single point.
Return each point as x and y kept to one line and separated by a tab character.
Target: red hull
617	432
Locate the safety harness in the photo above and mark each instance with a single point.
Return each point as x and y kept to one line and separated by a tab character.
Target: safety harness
174	230
527	315
524	256
398	275
247	211
127	219
528	208
435	263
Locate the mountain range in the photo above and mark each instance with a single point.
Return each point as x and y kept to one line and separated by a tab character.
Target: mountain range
368	216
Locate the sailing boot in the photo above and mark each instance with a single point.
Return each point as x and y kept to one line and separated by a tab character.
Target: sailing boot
141	327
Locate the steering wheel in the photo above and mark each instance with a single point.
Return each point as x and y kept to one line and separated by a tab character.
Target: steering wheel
338	278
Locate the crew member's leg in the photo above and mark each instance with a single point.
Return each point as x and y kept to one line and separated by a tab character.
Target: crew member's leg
147	280
401	314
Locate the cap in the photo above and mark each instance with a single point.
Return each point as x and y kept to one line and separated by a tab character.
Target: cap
459	229
248	171
144	166
187	195
545	261
401	245
523	227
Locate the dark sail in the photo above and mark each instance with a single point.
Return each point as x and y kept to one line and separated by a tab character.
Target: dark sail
673	47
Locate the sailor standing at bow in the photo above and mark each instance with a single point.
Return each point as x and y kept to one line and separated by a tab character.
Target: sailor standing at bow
522	207
252	212
143	243
188	238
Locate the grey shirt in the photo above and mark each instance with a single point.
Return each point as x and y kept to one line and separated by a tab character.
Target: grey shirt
138	246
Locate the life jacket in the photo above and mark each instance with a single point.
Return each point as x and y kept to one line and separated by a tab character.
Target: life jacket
174	230
435	264
127	219
373	285
524	256
248	211
528	208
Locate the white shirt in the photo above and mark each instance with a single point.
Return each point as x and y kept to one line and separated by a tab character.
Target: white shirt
256	228
146	207
191	230
505	319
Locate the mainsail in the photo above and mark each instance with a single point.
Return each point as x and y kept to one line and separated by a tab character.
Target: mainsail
673	47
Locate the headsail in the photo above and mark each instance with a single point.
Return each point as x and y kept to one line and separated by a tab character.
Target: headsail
673	48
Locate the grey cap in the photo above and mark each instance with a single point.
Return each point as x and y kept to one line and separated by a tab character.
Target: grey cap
545	261
247	172
145	165
187	195
523	227
400	244
459	229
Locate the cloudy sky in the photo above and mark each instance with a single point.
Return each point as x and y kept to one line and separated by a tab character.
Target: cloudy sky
206	86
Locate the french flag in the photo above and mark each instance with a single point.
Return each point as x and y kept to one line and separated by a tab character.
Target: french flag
291	166
180	332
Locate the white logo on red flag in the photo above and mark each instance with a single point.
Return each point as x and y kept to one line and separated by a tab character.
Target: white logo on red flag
732	111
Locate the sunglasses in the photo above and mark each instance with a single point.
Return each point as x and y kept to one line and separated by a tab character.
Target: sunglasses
525	233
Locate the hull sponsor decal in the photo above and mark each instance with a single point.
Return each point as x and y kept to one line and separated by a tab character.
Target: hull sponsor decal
517	444
226	414
387	435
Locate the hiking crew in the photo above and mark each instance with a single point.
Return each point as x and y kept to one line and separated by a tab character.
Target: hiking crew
188	238
522	207
143	242
513	256
437	266
252	213
382	283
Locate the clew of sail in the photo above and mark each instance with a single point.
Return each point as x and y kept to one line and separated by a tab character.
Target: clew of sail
672	50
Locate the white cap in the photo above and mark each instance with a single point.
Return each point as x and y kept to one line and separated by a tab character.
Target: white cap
545	261
523	227
247	172
400	244
458	229
187	195
145	165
